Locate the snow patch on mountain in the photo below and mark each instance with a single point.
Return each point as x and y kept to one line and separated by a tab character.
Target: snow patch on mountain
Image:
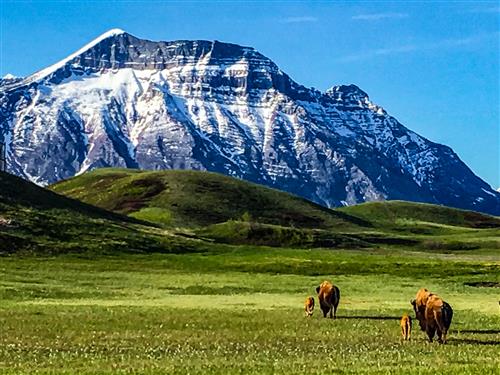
51	69
127	102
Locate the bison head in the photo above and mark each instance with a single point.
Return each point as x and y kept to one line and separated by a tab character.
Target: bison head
419	314
413	302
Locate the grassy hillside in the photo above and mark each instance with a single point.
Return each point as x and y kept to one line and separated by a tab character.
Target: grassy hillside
231	211
397	213
239	232
433	227
185	211
33	219
195	199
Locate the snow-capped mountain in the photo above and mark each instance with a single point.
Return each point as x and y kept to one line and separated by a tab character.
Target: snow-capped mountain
207	105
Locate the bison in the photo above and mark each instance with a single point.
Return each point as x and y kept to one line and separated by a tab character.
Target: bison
419	304
309	306
433	314
329	298
405	324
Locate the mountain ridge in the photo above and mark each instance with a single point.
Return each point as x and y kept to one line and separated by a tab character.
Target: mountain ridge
203	105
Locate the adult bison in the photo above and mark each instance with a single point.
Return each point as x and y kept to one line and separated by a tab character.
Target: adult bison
329	298
419	304
433	314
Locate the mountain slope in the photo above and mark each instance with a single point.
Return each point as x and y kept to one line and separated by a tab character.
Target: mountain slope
127	102
33	219
196	199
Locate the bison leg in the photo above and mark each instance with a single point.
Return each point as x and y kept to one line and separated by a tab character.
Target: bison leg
441	329
444	337
430	332
325	310
439	335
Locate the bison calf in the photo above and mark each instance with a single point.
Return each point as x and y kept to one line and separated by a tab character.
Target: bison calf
329	298
405	327
309	306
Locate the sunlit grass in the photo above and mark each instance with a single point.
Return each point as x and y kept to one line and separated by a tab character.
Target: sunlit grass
195	313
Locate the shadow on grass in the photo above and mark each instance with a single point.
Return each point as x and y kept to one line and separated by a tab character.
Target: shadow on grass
474	342
367	317
483	284
481	331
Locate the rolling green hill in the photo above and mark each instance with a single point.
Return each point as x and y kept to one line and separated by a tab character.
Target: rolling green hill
122	210
37	220
197	199
396	213
228	210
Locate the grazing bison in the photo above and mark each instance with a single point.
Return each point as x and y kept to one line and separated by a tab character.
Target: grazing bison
435	317
329	298
309	306
405	327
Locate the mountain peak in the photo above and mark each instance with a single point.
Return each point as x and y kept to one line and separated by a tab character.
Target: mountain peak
347	93
209	105
51	69
116	49
112	32
352	96
9	76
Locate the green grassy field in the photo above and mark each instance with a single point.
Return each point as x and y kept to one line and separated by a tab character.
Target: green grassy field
197	273
240	310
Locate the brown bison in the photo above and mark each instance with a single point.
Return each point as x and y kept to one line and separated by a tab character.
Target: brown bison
405	327
309	306
422	296
419	304
433	314
329	298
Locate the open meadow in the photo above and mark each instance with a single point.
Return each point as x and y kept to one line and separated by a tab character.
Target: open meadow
240	310
119	271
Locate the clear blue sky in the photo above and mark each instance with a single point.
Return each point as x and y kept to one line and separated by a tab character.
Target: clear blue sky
432	65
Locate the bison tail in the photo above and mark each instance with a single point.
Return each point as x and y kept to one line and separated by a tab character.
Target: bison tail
447	315
336	296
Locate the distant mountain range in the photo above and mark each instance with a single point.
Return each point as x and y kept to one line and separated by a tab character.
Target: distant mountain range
206	105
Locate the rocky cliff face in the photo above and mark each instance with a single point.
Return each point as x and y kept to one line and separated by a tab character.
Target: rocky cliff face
128	102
